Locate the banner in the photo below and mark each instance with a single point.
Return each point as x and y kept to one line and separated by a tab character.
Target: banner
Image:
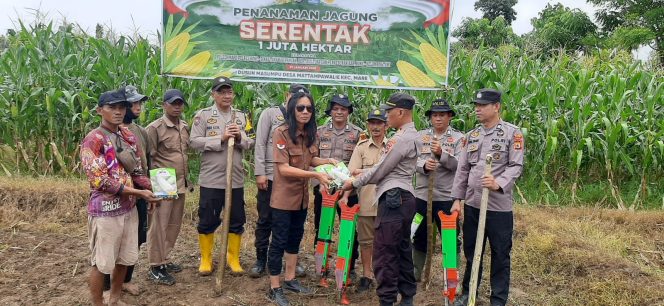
365	43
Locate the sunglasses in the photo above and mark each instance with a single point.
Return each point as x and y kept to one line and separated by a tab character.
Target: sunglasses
300	108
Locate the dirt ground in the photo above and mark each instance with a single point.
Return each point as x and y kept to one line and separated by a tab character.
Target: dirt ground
562	256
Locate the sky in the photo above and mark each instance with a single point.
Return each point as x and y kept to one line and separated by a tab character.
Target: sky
144	16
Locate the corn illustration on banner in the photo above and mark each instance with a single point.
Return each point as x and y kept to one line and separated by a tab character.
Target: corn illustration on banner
366	43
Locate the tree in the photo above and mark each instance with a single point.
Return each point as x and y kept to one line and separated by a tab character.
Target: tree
494	8
492	33
633	23
558	26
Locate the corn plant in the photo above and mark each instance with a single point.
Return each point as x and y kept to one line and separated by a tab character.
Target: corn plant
588	120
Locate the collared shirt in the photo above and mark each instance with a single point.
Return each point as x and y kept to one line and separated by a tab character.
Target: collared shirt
142	141
269	120
168	146
451	142
209	124
505	143
289	193
337	144
367	153
106	175
397	165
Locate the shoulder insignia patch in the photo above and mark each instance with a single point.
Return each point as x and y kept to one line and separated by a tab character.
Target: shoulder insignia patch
281	144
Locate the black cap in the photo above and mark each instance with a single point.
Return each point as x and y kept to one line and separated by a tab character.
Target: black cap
440	105
173	95
487	96
340	99
112	97
132	94
221	81
295	88
377	114
399	100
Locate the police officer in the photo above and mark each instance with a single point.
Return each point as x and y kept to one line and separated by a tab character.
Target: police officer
504	141
268	121
393	261
337	140
168	141
441	146
213	127
367	153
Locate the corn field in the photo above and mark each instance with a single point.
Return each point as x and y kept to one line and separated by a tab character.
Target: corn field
594	124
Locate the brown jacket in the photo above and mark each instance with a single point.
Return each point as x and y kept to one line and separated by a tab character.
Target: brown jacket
291	193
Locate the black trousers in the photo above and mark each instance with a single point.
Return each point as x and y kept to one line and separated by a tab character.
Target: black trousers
499	228
420	237
392	256
318	206
264	223
142	208
287	232
209	209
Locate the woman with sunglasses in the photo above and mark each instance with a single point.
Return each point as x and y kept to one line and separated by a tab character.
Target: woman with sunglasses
295	151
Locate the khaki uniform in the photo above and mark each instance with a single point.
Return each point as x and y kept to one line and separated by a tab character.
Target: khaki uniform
505	143
366	155
291	193
451	141
269	120
168	144
209	125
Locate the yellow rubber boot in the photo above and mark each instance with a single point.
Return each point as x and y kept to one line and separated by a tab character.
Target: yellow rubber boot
206	243
233	253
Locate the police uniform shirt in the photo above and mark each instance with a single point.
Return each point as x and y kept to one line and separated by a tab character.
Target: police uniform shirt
451	143
268	121
367	153
397	166
209	125
506	145
337	144
168	144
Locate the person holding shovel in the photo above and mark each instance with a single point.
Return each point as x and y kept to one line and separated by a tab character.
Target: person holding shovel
505	142
441	146
212	128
